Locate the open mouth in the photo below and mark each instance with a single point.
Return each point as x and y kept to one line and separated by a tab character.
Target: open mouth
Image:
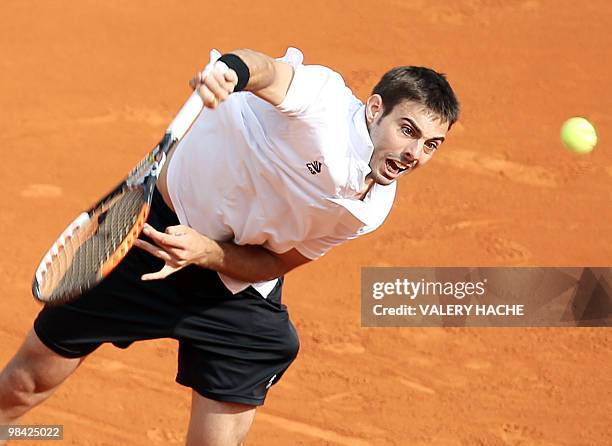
394	168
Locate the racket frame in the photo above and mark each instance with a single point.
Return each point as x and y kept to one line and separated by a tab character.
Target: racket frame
138	177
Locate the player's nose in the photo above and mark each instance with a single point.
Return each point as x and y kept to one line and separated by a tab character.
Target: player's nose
408	159
412	152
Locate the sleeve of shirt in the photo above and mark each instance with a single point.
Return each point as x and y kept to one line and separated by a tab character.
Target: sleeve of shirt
314	88
344	231
313	249
359	218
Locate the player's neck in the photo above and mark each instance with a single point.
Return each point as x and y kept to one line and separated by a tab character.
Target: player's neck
369	182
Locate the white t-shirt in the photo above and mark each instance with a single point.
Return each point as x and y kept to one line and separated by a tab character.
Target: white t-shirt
282	177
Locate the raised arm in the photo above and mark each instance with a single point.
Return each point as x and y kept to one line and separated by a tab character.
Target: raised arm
265	77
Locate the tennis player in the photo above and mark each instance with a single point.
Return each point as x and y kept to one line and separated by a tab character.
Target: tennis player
284	164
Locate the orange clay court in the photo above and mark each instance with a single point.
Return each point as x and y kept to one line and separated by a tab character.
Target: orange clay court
86	88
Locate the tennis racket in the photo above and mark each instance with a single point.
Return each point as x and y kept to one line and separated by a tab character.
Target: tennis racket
98	239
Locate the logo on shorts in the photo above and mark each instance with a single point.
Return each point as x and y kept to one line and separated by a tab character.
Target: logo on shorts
270	382
314	167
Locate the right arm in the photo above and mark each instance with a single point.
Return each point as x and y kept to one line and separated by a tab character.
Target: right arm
269	79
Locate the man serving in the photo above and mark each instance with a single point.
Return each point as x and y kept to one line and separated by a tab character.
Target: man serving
283	165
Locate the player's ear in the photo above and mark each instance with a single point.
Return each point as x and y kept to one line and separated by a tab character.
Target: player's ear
374	108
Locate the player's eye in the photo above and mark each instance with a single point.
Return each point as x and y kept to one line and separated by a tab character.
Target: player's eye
430	147
407	131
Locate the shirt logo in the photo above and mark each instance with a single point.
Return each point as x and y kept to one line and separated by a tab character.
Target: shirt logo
314	167
270	382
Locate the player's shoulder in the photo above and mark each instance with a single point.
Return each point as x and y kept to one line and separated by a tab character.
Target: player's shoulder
294	57
323	76
314	87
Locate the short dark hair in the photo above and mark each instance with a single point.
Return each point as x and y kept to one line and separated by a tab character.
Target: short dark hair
422	85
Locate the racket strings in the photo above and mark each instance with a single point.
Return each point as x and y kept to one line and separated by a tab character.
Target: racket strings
80	263
143	168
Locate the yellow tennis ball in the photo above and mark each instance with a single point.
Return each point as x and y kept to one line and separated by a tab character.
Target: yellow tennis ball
578	135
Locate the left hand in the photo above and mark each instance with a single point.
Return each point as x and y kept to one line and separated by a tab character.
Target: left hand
178	246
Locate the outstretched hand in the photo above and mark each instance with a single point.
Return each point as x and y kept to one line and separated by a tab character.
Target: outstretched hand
178	246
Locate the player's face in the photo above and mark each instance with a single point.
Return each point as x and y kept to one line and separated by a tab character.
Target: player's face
404	140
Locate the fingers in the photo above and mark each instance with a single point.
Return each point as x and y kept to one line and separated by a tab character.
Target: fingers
170	249
231	77
214	85
160	238
208	97
154	250
178	246
195	80
170	266
177	231
162	273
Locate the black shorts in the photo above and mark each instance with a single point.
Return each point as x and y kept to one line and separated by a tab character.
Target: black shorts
232	347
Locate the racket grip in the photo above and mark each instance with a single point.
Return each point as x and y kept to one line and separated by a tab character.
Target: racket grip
192	108
185	117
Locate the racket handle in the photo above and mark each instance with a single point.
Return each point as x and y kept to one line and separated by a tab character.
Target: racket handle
192	108
185	117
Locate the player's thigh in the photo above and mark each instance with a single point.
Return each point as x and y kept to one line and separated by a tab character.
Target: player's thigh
216	423
36	365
